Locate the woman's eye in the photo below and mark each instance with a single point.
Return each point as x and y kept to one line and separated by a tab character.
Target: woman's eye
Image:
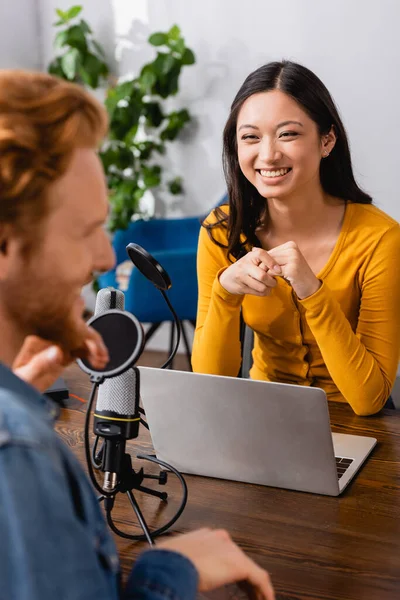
249	137
287	134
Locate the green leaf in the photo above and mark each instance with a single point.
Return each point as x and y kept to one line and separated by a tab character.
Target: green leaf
126	115
147	77
63	15
73	12
164	63
76	38
168	85
176	120
117	156
122	91
158	39
61	39
55	68
175	186
129	137
85	76
151	176
58	23
154	114
178	46
138	194
92	69
95	285
145	149
188	57
69	63
174	33
84	26
99	48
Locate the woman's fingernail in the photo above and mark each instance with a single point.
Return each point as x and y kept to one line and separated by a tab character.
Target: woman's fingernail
277	269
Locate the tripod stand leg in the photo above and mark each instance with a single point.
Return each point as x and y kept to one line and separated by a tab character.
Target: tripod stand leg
140	517
161	495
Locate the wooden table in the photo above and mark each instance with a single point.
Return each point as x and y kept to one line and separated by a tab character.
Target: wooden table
314	547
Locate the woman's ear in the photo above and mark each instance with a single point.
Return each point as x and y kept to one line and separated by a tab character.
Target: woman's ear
328	142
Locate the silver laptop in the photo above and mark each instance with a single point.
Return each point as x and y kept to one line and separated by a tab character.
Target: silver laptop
271	434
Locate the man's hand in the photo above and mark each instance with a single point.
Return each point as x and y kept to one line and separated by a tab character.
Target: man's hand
40	362
219	561
252	274
295	269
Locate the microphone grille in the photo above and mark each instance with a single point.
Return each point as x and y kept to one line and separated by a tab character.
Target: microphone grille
118	394
108	298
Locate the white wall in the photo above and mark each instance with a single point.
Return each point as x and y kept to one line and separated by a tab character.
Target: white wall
19	35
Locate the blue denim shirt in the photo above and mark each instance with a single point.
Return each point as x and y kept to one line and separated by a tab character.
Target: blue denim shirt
54	543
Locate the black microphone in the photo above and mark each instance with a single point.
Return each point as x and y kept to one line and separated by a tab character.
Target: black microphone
116	416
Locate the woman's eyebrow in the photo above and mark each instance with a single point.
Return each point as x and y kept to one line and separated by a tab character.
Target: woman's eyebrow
284	123
248	126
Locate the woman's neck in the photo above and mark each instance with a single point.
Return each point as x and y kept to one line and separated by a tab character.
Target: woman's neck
301	215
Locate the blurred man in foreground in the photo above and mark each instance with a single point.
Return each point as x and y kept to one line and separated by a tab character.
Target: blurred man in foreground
53	206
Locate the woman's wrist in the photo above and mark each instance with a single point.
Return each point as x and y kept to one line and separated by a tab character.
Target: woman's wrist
303	292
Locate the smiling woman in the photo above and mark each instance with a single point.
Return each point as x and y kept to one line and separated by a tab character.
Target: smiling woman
300	251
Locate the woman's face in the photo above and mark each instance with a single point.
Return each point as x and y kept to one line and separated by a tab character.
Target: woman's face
279	146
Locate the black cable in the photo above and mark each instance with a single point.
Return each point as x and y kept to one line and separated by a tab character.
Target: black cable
87	446
177	328
157	532
96	460
110	496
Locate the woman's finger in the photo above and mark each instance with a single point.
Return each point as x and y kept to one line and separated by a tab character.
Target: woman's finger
259	255
267	278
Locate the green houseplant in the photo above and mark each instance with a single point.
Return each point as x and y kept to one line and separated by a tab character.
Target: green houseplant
140	126
80	58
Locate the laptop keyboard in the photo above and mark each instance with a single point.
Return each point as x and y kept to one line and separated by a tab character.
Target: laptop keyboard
342	464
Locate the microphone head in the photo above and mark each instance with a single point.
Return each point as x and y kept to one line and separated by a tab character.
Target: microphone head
118	395
109	298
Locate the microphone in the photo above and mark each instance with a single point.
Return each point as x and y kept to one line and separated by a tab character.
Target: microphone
116	416
108	298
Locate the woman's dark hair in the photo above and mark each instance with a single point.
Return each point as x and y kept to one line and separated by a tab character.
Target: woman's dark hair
247	206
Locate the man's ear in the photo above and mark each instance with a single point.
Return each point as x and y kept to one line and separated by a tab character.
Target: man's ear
8	249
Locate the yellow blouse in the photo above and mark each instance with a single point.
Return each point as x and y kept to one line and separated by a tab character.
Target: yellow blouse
345	338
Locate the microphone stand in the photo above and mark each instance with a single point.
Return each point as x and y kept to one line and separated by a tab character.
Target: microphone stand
128	478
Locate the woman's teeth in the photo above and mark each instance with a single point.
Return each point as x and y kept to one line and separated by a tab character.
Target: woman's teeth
276	173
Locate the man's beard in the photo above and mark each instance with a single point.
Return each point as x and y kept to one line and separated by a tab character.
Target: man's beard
48	315
65	331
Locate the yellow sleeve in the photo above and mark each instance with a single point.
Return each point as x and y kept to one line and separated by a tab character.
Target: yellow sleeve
216	345
363	364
